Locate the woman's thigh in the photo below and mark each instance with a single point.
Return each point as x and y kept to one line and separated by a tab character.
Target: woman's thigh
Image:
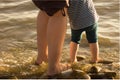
57	27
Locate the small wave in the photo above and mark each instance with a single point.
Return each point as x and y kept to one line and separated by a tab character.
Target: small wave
19	6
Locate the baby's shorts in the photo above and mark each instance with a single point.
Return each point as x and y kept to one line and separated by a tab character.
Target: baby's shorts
91	34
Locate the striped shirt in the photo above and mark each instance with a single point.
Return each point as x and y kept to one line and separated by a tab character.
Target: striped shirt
82	14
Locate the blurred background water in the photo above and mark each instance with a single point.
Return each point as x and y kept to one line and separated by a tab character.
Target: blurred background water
18	21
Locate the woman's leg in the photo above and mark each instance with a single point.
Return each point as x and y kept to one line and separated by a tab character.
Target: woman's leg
55	38
42	21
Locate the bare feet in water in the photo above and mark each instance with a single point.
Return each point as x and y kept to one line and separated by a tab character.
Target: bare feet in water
40	60
59	68
99	60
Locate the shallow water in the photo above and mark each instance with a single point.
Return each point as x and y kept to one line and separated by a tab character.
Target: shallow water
18	30
17	21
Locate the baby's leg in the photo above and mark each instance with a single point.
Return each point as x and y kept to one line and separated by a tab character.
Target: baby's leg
92	37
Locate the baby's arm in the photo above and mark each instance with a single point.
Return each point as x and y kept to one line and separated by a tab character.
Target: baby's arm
67	1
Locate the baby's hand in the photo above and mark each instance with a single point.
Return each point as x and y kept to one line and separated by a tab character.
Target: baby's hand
67	1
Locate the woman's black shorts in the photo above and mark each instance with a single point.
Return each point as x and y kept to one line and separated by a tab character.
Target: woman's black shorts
50	6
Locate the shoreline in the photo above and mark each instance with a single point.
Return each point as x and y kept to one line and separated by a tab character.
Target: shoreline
22	58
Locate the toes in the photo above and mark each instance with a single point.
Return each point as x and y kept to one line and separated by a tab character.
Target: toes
64	67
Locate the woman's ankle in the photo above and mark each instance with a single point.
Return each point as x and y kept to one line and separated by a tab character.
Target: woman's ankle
58	68
39	60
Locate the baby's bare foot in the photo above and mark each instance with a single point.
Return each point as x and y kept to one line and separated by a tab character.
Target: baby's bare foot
99	60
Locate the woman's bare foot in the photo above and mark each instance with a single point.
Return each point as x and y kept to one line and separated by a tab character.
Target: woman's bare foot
58	69
40	60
